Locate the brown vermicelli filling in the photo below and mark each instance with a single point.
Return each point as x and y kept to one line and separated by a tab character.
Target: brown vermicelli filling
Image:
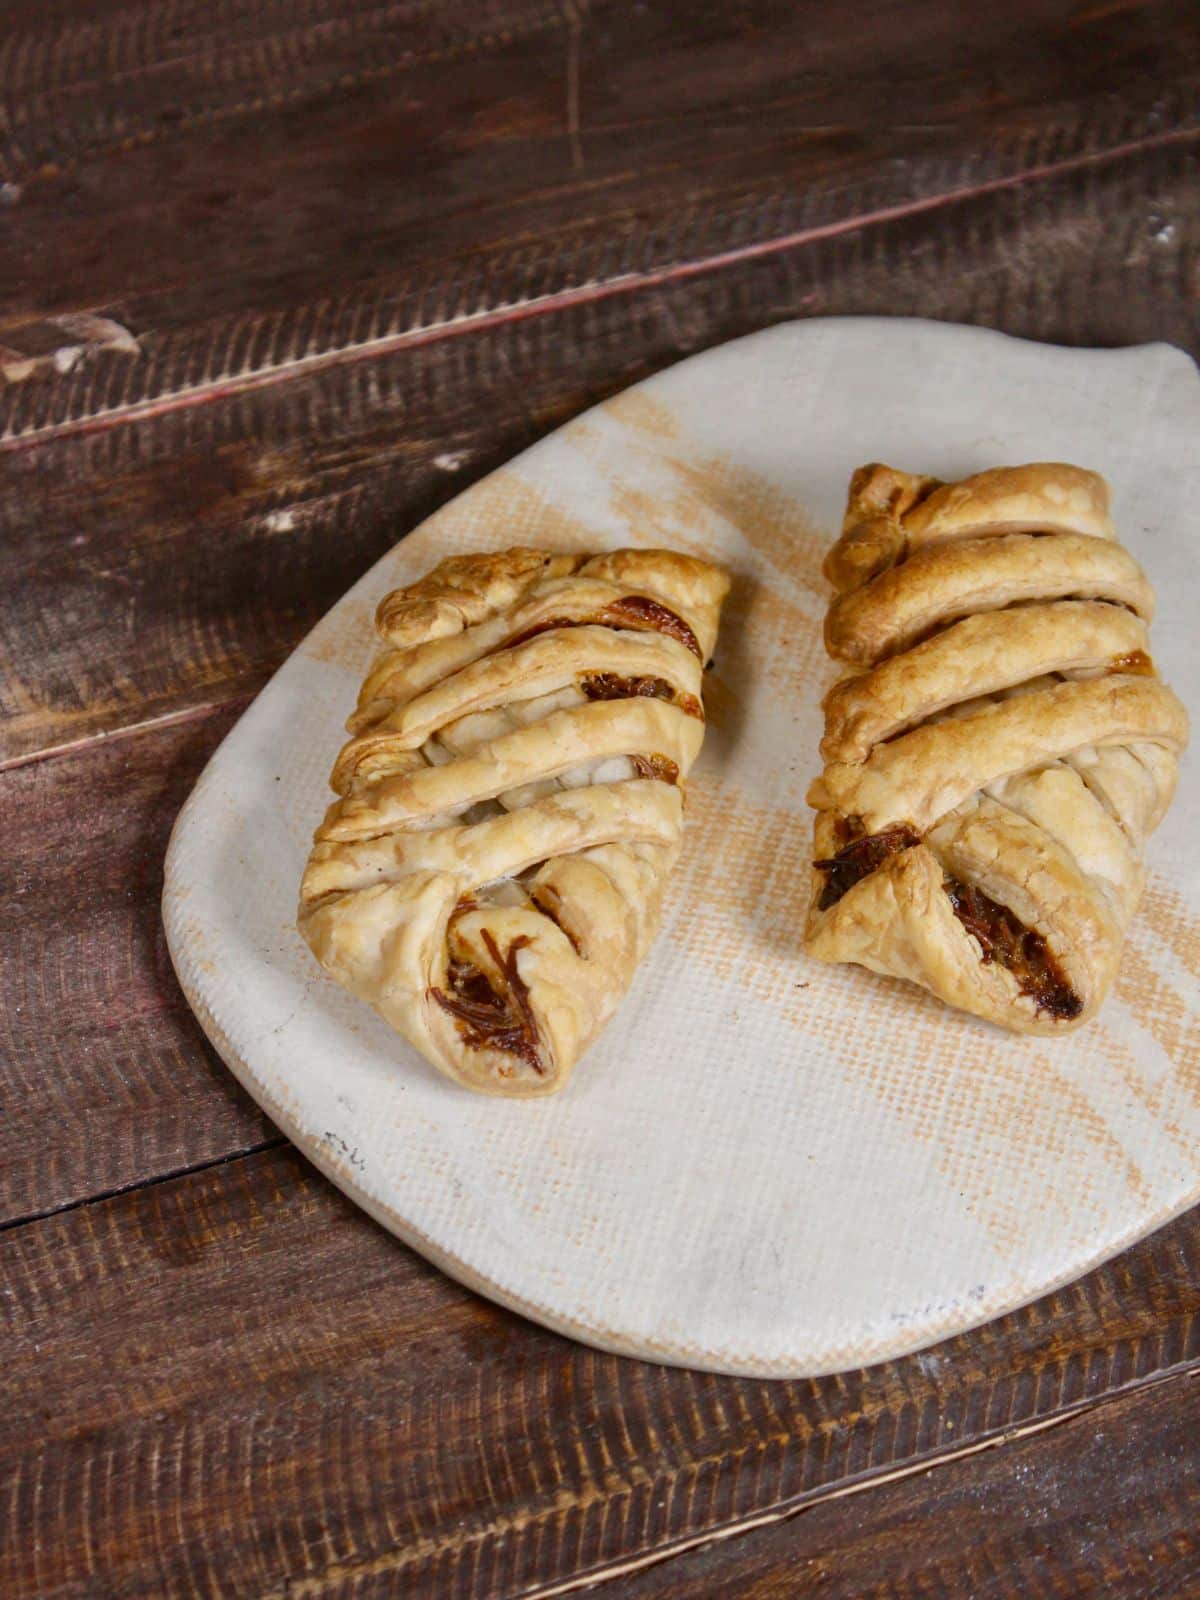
860	855
493	1012
636	610
640	608
1004	939
660	767
1001	935
615	686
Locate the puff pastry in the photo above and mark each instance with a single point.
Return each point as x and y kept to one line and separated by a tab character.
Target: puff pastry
999	747
511	803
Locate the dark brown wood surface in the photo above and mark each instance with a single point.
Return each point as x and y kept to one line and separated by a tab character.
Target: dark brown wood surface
232	1382
1100	1502
277	278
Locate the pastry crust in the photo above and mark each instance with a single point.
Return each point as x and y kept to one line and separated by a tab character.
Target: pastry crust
511	803
948	580
999	749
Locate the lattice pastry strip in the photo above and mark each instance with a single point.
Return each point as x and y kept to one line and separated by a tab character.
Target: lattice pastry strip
511	803
1000	747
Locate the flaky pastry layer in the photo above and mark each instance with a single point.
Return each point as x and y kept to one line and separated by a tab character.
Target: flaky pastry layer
1000	746
510	803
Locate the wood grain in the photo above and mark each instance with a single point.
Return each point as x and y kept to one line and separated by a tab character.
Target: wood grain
181	164
232	1383
215	536
81	79
105	1076
1106	1503
156	366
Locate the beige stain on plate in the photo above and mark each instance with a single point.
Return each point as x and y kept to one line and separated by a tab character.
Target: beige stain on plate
636	409
1165	912
343	637
1162	1010
501	511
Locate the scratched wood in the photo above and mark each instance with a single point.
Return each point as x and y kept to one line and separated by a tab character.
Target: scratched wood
105	1076
1106	1503
232	1383
167	352
592	137
174	562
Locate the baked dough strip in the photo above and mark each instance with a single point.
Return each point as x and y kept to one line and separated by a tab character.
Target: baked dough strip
1000	747
511	801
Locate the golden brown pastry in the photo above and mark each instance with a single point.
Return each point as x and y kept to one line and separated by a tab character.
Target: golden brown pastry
1000	747
511	803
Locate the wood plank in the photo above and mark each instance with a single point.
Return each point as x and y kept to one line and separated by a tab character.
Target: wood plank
84	78
105	1076
179	164
80	78
1106	1503
233	1383
175	562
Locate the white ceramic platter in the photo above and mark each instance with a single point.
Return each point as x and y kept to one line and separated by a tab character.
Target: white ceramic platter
765	1166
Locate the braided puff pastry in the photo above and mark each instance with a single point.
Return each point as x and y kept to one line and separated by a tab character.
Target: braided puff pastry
511	803
1000	747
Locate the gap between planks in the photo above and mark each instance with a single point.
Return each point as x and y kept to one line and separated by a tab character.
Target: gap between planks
275	1142
167	719
394	1562
216	389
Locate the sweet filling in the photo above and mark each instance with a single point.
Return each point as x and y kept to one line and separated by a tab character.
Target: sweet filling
650	614
861	854
660	767
613	686
637	610
1003	938
1136	661
493	1013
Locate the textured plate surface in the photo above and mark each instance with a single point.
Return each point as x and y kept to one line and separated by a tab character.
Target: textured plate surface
766	1166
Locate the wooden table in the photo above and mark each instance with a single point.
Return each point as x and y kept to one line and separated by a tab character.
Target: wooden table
333	263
